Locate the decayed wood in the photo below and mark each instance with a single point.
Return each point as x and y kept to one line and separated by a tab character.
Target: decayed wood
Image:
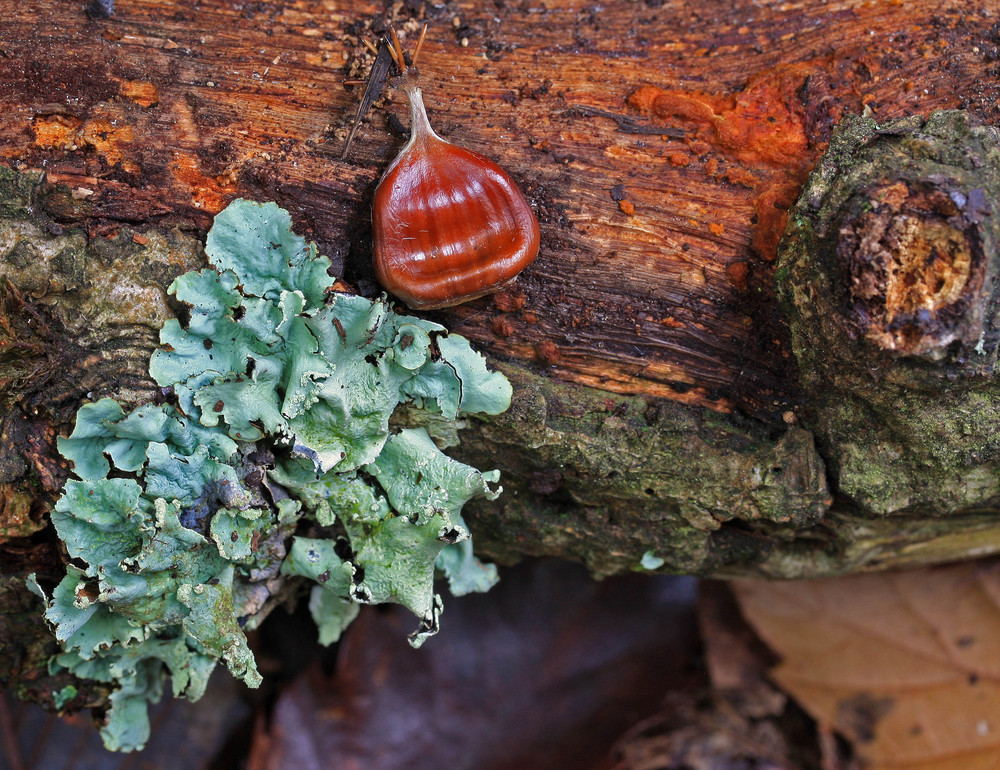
660	143
658	408
164	112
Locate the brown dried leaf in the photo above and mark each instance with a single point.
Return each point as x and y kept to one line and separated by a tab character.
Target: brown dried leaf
904	664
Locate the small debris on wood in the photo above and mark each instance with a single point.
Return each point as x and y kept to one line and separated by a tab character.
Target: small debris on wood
508	301
547	352
139	91
737	272
501	326
100	9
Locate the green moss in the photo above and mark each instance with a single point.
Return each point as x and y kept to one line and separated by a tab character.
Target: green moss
18	192
906	403
281	397
605	478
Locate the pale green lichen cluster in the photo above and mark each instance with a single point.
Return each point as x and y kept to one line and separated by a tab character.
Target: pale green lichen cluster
271	458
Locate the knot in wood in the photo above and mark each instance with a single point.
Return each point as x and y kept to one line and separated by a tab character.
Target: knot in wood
888	275
889	267
913	261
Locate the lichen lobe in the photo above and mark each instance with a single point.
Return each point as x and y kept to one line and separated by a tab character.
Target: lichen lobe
188	518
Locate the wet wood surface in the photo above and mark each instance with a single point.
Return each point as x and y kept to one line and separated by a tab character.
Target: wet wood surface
659	142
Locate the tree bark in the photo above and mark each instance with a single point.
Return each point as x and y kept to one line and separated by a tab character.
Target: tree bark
664	416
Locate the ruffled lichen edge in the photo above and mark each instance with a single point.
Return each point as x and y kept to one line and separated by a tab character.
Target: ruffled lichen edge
271	458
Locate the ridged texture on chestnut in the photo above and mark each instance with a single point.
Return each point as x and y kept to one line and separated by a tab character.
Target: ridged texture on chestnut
449	224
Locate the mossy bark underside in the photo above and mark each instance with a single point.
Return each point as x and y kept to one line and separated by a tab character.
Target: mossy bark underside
687	398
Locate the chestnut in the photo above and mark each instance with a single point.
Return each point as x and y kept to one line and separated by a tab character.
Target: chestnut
449	224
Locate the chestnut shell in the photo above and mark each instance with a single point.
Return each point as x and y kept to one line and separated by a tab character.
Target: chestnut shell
449	225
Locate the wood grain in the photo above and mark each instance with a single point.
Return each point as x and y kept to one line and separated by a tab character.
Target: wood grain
657	215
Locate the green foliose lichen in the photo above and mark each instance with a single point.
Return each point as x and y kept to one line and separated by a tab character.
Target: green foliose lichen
271	459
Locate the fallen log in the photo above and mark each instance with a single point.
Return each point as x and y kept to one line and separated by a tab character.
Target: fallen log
681	403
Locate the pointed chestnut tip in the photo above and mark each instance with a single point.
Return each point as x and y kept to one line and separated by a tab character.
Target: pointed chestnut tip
449	224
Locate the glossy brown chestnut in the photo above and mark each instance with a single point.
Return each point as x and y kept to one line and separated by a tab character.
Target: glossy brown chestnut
449	224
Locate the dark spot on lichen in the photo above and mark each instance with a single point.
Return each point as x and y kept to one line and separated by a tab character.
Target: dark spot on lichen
451	537
340	331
